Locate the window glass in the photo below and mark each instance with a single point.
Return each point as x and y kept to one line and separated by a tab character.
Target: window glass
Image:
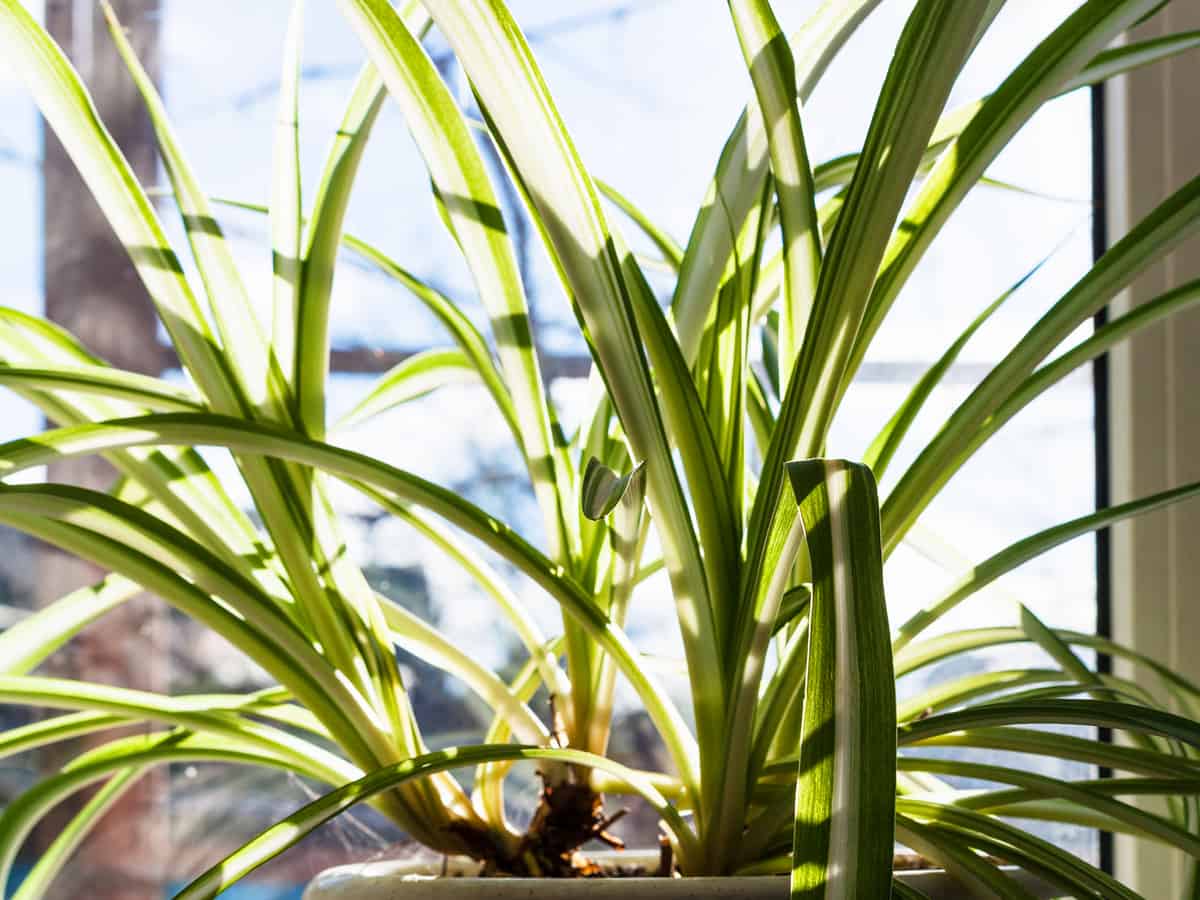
649	89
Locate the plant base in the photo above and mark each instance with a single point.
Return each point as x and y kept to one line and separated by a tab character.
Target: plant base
455	879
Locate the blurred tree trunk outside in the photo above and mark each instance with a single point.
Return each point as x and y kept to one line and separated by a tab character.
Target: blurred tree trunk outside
92	289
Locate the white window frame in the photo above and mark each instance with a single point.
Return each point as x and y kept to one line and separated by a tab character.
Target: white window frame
1152	147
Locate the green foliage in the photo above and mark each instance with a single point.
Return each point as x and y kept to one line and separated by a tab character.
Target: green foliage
775	565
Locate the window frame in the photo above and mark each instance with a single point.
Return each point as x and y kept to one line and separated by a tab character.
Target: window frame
1150	142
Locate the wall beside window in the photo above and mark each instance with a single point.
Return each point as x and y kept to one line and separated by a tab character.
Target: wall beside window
1153	147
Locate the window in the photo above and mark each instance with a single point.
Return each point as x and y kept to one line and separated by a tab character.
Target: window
649	105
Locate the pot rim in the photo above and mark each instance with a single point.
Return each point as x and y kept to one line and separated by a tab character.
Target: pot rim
445	877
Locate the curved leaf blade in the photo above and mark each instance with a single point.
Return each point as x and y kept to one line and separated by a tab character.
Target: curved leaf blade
845	795
355	468
419	375
283	835
464	190
773	72
1025	550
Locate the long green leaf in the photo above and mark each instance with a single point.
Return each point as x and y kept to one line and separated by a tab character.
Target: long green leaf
64	101
1130	717
717	508
237	324
149	393
269	704
514	97
845	796
323	236
934	649
208	714
671	251
1035	785
283	835
260	438
1068	747
914	91
461	182
54	513
321	242
979	685
773	72
32	640
738	181
415	377
1025	550
287	264
722	366
58	728
24	812
51	861
881	450
960	861
1119	60
1105	337
180	480
428	644
1041	857
1040	76
1110	787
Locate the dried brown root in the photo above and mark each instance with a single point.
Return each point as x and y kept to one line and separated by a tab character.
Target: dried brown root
569	814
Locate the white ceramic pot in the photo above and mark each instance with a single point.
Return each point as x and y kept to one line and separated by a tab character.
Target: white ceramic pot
394	880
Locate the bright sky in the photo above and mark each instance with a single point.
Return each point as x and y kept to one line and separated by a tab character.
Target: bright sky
649	89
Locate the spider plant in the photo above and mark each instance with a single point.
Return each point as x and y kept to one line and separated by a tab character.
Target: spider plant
786	760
